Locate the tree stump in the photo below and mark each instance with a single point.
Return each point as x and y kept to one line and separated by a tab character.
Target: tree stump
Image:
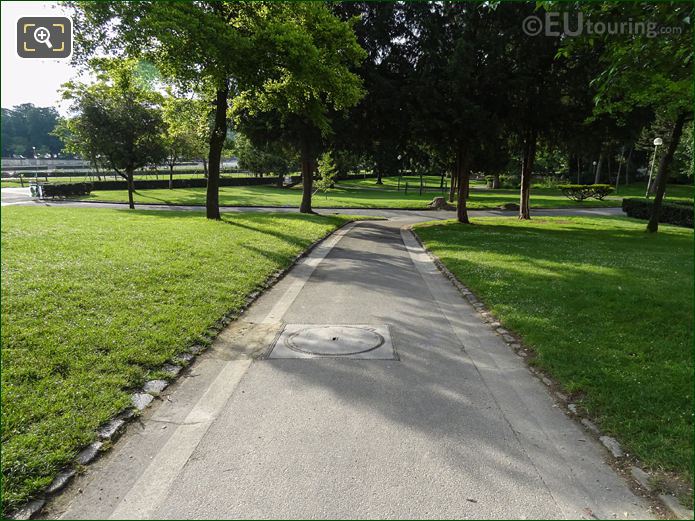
439	203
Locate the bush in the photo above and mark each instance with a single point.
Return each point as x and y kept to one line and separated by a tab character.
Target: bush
510	181
581	192
601	191
65	189
678	213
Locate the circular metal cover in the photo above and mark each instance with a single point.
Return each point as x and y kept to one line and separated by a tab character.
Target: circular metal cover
334	340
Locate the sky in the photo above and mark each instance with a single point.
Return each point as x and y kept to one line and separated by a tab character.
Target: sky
30	80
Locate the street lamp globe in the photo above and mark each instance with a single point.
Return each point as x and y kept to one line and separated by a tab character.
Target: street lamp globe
658	141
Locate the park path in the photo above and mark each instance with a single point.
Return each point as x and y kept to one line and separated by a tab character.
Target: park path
453	426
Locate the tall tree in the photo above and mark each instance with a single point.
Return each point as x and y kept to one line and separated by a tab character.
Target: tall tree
640	70
187	129
117	117
379	126
459	84
311	52
535	87
201	45
27	128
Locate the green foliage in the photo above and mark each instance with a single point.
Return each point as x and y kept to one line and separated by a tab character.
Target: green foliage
95	300
312	53
327	173
117	117
605	308
187	127
26	126
679	213
268	159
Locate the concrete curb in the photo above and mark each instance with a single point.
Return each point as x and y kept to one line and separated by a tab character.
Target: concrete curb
109	432
640	478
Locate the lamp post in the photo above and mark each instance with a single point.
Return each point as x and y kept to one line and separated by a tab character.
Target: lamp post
657	143
594	169
399	173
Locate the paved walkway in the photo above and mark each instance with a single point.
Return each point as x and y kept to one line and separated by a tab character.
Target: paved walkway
456	427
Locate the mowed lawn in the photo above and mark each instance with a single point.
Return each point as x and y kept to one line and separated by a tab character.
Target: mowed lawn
608	309
364	193
94	301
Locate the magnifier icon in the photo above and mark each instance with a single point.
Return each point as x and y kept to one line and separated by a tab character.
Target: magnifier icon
43	35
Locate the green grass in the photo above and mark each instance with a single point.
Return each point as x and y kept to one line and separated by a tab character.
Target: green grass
608	309
95	300
337	198
364	193
673	192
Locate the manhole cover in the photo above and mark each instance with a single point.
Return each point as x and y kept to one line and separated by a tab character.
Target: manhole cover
342	341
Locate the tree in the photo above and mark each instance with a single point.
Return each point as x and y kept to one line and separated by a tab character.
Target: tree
186	129
117	118
206	46
379	126
269	159
623	85
327	173
459	86
311	51
25	127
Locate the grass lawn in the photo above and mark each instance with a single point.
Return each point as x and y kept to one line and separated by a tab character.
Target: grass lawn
354	197
673	192
95	300
608	309
364	193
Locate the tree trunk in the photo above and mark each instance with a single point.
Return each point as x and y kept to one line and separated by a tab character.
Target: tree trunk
579	169
597	176
662	176
217	137
378	174
627	166
131	188
205	168
307	176
454	183
171	177
495	181
529	156
463	176
620	167
280	180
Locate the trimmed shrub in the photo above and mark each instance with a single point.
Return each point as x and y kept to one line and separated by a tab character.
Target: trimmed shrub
181	183
581	192
65	189
678	213
601	191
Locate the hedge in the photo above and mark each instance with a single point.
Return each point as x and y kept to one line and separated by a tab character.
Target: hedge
581	192
63	189
678	213
180	183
